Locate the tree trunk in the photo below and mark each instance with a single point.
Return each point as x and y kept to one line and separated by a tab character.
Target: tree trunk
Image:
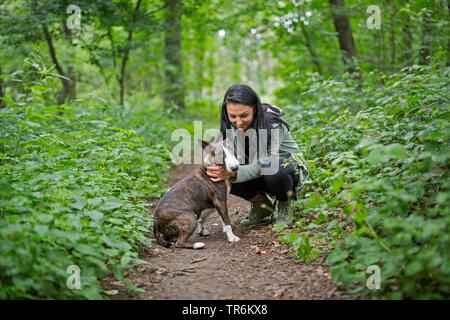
314	58
199	60
407	40
71	92
174	84
381	55
210	68
113	48
393	44
126	53
425	48
345	37
448	38
68	89
2	93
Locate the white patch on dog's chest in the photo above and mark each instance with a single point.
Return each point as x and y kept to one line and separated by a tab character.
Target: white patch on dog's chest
228	186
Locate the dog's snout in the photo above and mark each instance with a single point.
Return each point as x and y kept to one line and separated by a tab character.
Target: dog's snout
234	168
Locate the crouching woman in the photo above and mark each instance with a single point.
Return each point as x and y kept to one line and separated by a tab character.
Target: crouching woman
271	162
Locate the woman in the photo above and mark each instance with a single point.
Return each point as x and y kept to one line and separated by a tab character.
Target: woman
277	167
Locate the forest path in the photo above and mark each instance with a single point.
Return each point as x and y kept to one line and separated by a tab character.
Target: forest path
256	267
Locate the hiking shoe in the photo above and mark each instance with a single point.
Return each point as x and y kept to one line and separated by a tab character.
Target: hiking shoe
258	212
285	213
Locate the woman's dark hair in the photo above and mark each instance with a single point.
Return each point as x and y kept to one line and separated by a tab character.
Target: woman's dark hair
243	94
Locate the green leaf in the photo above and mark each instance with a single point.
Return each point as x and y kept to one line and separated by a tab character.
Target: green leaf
5	187
95	201
115	221
125	260
442	197
381	154
279	227
413	268
7	99
397	151
45	218
15	73
336	256
94	214
112	203
79	204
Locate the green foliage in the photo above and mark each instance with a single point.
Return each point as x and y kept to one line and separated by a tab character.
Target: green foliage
301	245
379	190
73	189
73	176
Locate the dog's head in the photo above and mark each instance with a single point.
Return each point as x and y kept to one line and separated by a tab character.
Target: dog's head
221	153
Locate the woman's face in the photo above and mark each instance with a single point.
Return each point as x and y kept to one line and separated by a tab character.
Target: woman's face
240	115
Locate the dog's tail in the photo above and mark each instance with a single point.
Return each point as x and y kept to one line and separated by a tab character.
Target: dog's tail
159	236
162	241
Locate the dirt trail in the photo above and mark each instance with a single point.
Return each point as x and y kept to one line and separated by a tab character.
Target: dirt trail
257	267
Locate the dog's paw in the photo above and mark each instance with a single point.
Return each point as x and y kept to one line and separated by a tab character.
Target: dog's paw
199	245
204	232
233	238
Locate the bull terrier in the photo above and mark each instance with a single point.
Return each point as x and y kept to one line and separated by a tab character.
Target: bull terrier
195	198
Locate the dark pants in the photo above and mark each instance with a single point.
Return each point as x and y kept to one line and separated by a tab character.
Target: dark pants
279	184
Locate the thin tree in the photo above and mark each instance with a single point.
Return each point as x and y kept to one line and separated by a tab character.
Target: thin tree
68	90
393	40
127	52
407	38
309	46
174	84
345	37
426	41
2	94
448	38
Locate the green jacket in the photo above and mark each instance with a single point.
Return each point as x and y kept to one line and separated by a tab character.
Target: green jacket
281	143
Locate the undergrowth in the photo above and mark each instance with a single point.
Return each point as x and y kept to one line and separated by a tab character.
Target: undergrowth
379	187
74	186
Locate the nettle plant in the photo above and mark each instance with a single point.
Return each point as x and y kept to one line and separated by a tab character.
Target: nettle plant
379	188
72	190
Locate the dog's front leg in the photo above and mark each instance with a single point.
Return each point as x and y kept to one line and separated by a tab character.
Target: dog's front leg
230	235
223	212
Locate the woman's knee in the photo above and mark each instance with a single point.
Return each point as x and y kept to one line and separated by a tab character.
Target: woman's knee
247	194
249	189
280	184
281	176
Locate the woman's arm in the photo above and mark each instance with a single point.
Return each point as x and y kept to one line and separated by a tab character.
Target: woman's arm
253	170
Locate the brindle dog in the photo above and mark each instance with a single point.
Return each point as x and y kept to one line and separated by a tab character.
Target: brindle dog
195	198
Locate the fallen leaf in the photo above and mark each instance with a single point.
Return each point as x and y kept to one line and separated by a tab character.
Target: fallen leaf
278	293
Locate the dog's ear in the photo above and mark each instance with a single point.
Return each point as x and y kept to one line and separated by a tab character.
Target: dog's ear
230	146
203	143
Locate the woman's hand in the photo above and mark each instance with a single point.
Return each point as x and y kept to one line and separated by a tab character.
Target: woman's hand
218	173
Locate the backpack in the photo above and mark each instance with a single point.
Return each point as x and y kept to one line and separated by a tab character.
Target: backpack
274	115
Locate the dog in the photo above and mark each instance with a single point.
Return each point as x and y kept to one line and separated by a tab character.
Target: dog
194	199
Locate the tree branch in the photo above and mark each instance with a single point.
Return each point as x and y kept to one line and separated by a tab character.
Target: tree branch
52	49
156	10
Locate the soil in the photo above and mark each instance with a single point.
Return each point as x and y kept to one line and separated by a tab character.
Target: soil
259	266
